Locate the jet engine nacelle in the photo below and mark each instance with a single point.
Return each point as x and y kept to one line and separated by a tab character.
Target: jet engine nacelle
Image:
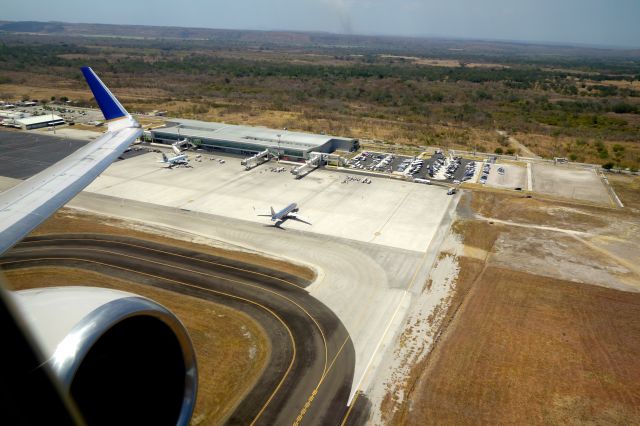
122	358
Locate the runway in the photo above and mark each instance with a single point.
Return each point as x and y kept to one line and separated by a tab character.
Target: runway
309	375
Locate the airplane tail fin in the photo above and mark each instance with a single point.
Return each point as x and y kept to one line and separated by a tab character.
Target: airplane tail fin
273	212
111	108
164	158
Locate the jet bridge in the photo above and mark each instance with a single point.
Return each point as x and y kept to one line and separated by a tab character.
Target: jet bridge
316	159
256	160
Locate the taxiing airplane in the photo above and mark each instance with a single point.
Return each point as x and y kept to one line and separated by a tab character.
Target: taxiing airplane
289	212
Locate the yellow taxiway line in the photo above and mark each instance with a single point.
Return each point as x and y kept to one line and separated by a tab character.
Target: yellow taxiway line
293	342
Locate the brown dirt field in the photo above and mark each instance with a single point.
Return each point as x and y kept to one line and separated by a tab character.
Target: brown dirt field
627	188
519	348
470	269
72	221
478	234
531	350
223	338
540	211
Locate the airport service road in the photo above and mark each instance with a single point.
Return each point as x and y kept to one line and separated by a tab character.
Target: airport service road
312	361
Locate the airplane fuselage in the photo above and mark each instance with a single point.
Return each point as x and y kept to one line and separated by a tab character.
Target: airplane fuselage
174	161
177	159
282	214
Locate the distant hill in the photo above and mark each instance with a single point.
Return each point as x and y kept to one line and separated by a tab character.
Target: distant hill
32	27
440	47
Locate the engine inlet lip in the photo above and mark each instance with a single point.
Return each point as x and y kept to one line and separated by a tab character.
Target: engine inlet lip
70	352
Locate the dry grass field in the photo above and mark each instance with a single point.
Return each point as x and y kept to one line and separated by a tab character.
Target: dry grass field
524	349
520	346
541	211
627	188
582	150
261	113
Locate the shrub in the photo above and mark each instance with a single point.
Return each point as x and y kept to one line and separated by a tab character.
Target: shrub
624	108
498	150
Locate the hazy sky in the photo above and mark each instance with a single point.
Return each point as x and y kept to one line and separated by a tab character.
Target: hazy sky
600	22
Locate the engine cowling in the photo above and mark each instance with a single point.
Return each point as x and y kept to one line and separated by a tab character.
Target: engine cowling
121	357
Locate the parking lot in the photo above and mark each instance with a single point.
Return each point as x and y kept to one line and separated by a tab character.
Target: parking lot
505	176
437	167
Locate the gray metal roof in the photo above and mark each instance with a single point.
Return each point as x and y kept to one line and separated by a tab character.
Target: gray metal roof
38	119
246	134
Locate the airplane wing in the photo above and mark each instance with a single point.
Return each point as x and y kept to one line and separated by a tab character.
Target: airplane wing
263	215
31	202
299	218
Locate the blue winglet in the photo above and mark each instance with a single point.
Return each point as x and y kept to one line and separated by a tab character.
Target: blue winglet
111	108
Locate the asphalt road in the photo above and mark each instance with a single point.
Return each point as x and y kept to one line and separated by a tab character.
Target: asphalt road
307	380
23	154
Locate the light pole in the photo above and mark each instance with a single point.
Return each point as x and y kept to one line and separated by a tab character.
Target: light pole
279	136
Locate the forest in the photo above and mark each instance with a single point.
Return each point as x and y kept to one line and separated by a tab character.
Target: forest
580	104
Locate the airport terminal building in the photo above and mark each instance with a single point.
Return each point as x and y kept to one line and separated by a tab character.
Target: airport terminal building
248	140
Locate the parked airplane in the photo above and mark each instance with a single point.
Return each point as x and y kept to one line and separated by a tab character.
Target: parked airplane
178	160
75	353
289	212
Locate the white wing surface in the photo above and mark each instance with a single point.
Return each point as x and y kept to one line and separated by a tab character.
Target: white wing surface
31	202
